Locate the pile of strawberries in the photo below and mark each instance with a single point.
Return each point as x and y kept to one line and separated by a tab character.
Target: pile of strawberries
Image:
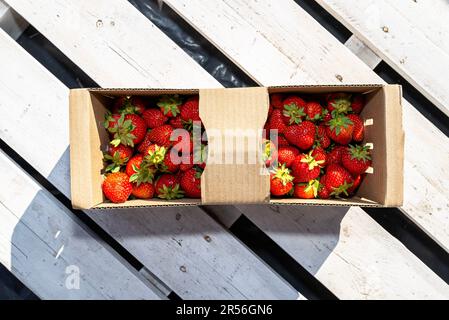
140	156
319	147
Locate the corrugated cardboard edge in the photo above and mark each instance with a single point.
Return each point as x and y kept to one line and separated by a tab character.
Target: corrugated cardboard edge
235	109
83	191
394	146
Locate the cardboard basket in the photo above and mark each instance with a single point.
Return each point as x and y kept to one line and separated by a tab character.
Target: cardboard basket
239	109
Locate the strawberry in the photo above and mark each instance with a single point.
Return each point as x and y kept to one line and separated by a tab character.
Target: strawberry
282	141
301	135
334	156
161	135
191	183
167	164
305	168
118	155
313	111
187	163
154	118
320	155
111	120
139	170
323	192
169	105
357	104
276	122
281	181
293	110
357	181
338	180
356	159
358	132
270	153
339	102
176	122
183	142
145	144
129	130
321	138
190	110
156	154
276	101
286	155
307	190
340	129
116	187
128	105
143	191
167	187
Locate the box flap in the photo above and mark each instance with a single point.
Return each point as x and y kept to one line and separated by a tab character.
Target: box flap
233	119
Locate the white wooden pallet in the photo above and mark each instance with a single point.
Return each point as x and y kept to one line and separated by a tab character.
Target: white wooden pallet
195	268
347	251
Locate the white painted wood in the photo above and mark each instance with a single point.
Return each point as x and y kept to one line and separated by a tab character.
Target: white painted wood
11	22
299	50
363	52
165	240
44	246
411	36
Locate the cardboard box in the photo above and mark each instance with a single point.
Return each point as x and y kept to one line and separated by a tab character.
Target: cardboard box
239	109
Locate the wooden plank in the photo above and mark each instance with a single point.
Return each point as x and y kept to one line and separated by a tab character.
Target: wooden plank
253	32
11	22
363	52
44	246
411	36
195	267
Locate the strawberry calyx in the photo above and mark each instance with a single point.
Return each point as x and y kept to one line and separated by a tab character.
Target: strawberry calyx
122	132
311	161
156	156
341	105
294	113
170	193
338	122
170	103
359	152
117	162
143	174
342	189
283	174
312	184
128	107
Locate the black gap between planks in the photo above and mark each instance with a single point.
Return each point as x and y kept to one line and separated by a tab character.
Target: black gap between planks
229	75
12	288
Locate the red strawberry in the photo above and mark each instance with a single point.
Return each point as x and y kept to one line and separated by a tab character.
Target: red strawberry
356	159
161	135
320	155
145	144
128	105
338	180
190	110
116	187
281	181
270	110
313	110
334	156
119	156
307	190
167	187
358	132
168	165
282	141
111	120
321	138
301	135
139	171
191	183
176	122
143	191
170	105
183	142
129	130
293	110
286	155
276	101
270	153
323	192
187	163
154	118
156	154
339	102
305	168
276	122
340	129
358	102
357	181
